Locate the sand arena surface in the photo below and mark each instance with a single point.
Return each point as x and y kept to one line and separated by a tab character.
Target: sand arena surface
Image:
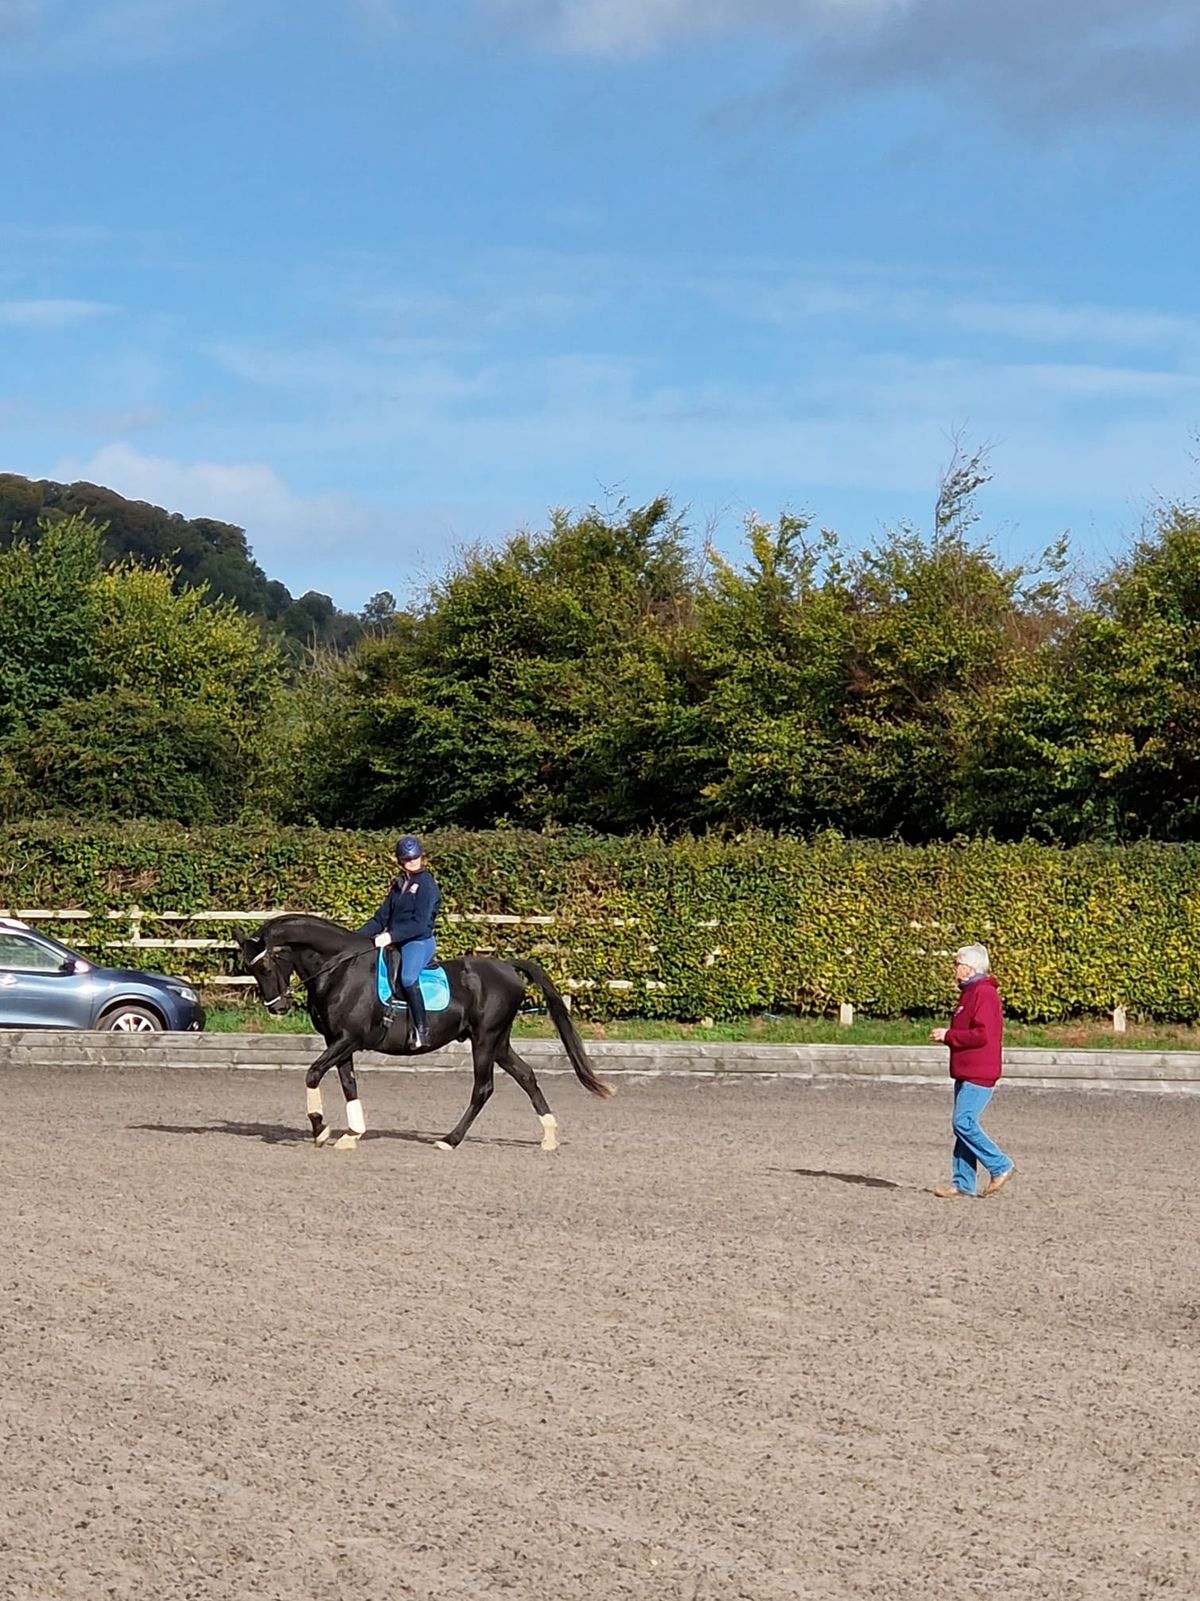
720	1346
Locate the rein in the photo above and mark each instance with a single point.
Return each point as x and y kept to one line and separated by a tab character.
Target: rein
345	956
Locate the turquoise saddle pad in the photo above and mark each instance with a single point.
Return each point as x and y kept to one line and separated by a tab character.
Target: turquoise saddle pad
435	987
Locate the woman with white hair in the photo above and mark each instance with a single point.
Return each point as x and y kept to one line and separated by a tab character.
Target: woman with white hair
975	1038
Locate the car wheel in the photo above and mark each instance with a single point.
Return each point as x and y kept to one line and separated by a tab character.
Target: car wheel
131	1019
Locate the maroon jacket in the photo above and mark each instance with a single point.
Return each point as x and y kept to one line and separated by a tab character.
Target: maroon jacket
976	1032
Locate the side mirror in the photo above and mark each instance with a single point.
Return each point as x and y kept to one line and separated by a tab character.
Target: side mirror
75	964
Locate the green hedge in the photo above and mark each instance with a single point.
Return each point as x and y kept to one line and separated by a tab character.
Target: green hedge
697	926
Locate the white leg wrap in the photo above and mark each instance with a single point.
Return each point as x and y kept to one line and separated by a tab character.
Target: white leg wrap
355	1118
315	1106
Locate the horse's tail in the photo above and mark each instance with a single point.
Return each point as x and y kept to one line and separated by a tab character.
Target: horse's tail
567	1032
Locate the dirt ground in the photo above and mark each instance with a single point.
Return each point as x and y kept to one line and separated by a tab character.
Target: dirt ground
722	1345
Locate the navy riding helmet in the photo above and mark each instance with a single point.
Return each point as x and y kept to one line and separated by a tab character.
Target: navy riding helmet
407	848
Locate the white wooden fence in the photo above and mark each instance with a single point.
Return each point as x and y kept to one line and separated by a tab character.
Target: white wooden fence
137	920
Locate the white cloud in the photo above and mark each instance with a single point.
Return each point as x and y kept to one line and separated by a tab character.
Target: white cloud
16	17
862	373
336	544
1036	323
48	315
112	32
853	414
1069	62
355	373
1076	62
86	33
379	16
288	532
609	27
880	427
197	489
858	295
441	472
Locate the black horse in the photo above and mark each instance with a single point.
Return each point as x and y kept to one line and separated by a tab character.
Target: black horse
339	970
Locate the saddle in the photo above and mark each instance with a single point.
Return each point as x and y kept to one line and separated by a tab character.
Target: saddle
435	986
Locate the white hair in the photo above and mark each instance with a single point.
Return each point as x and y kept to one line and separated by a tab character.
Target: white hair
973	956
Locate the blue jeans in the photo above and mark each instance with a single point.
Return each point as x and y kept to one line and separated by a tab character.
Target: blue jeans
414	955
971	1144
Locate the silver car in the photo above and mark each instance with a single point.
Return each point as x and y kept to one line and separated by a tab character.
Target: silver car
43	984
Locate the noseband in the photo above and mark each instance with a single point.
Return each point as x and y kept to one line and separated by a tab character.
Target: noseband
280	1003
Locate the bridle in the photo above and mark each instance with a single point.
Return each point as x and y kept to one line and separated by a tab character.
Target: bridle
280	1002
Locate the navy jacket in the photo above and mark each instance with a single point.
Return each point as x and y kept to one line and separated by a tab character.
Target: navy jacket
409	910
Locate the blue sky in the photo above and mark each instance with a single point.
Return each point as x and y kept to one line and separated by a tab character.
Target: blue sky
376	279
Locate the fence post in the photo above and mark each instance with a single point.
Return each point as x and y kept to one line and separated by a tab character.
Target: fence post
1118	1020
846	1014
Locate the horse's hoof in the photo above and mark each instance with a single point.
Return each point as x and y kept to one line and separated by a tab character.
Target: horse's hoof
348	1142
549	1132
319	1139
442	1145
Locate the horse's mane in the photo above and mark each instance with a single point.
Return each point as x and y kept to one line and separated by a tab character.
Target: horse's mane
304	928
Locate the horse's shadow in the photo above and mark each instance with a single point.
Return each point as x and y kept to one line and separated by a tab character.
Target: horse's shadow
277	1134
868	1180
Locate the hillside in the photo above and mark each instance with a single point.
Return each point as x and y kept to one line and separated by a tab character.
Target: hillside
200	549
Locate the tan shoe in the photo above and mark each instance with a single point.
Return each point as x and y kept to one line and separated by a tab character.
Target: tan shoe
999	1183
947	1192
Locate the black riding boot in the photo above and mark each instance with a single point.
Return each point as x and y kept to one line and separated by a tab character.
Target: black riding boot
418	1033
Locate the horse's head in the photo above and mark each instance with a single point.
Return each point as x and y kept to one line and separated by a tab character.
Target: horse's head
270	966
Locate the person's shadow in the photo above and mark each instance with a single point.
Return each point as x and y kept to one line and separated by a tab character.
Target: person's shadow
267	1133
866	1179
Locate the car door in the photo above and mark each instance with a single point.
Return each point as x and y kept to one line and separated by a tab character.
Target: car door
35	992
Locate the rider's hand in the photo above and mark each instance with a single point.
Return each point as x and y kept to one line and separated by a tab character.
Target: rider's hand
383	939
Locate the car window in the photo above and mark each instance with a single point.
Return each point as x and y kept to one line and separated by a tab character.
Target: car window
26	955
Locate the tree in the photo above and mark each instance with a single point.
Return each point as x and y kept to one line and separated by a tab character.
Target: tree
1097	734
379	613
314	623
201	552
123	754
121	695
840	687
532	685
772	647
938	620
182	648
49	616
934	624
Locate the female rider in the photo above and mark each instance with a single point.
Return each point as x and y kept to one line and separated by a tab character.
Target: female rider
406	919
